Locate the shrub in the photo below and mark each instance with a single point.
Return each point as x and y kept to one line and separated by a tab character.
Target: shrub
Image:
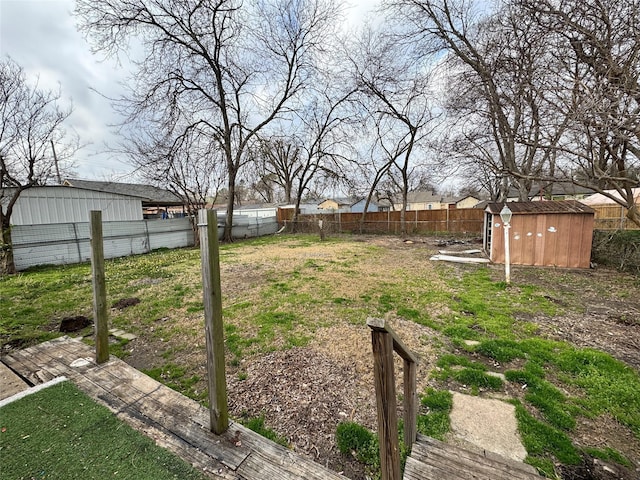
619	249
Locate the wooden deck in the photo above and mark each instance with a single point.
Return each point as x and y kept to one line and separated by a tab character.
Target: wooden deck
433	459
174	421
180	425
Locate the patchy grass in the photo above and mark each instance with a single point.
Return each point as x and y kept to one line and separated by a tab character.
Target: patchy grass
175	377
60	432
433	418
356	440
279	291
257	425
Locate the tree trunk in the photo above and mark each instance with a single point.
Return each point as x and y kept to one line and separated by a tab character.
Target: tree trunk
228	224
7	265
633	214
294	219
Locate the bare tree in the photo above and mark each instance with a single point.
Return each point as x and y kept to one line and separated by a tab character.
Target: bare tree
395	91
31	119
499	79
280	161
185	161
598	45
233	66
322	140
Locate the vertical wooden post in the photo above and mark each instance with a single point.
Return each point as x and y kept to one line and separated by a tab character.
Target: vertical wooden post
214	333
410	403
99	288
384	380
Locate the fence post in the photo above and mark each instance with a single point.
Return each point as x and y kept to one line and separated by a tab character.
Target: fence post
214	333
99	288
384	380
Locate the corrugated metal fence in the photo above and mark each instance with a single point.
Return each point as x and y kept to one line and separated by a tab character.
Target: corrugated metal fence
62	243
65	243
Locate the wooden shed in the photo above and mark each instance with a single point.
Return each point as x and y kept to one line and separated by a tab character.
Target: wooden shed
547	233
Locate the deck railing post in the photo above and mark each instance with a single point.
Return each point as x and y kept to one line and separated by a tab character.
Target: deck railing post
410	403
214	333
386	402
100	317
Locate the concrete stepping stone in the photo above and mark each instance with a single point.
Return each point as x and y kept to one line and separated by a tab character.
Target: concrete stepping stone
487	424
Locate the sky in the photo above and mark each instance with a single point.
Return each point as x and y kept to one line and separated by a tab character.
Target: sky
41	36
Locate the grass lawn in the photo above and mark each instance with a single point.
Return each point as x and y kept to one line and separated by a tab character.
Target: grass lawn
60	433
562	338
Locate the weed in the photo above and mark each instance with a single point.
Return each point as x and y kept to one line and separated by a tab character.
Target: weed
173	376
449	360
477	380
257	425
353	438
609	455
541	439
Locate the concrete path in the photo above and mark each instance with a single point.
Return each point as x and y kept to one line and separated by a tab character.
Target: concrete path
486	424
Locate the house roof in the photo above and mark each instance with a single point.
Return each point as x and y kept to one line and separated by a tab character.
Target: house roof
340	201
423	196
148	193
546	207
557	188
600	199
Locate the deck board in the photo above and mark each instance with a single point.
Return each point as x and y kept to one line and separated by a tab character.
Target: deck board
172	420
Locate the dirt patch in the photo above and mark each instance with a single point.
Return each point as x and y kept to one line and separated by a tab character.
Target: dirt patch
286	389
125	303
73	324
596	330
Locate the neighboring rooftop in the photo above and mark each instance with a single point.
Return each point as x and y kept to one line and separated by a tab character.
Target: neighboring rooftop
149	194
543	189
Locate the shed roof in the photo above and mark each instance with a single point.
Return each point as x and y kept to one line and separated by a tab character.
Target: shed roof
148	193
545	207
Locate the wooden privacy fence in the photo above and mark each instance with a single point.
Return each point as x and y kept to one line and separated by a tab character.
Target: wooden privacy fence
465	220
612	217
384	342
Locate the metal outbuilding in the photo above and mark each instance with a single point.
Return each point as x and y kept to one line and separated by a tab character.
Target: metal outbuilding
547	233
61	204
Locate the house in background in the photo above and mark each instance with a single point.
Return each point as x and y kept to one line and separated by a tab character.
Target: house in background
156	202
333	205
552	191
466	201
598	199
351	205
427	200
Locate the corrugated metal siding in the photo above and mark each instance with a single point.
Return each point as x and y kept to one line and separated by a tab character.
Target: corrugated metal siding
63	243
58	204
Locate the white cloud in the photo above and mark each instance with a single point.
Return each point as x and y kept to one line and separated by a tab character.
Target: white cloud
40	35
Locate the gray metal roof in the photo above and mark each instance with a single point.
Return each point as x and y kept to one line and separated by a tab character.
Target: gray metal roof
149	194
553	188
544	207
